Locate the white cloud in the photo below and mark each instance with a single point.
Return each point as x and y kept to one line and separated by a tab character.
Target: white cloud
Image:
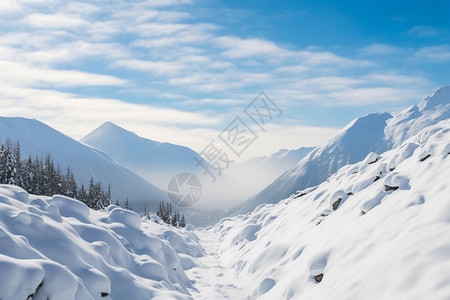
379	49
370	95
55	21
165	3
76	116
9	6
244	48
159	67
14	73
434	53
424	31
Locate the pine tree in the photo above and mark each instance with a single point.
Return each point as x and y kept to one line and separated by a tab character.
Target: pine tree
182	222
2	163
82	194
127	205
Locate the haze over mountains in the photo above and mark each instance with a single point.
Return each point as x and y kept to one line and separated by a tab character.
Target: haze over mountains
268	167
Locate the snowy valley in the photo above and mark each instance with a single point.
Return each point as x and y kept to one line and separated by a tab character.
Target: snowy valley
363	216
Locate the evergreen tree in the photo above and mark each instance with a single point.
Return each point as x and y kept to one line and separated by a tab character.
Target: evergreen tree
182	222
42	177
82	194
127	205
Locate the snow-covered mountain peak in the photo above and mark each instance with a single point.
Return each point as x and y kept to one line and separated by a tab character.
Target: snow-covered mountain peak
440	97
109	131
371	133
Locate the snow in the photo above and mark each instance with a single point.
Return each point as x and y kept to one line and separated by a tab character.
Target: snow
38	139
375	228
378	243
58	248
371	133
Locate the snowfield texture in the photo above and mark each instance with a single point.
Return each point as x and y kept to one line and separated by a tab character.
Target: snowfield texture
372	133
378	229
57	248
38	139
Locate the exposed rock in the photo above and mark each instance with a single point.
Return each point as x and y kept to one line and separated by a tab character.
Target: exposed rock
376	178
299	195
103	294
424	158
318	278
374	161
336	203
390	188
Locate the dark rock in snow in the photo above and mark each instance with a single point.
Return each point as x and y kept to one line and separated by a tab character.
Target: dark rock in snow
336	203
424	158
318	278
390	188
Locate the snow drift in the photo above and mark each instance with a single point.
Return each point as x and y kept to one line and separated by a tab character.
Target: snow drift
57	248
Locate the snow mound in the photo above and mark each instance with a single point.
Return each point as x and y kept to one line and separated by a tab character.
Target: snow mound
57	248
377	229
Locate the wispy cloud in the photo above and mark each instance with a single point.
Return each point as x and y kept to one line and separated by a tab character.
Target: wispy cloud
434	53
14	73
424	31
379	49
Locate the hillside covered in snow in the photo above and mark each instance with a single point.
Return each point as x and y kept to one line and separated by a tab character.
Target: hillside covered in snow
377	229
371	133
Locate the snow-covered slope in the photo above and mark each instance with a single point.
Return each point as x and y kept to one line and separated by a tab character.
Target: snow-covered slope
57	248
371	133
377	229
36	138
155	161
268	168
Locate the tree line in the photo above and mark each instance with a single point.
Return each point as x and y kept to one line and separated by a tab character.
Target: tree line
169	215
41	177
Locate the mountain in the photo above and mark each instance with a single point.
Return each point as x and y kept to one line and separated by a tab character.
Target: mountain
371	133
268	168
159	162
374	230
155	161
38	139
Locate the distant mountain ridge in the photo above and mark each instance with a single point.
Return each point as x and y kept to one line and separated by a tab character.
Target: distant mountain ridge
155	161
371	133
38	139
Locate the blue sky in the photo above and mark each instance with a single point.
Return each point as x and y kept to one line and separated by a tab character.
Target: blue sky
181	70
